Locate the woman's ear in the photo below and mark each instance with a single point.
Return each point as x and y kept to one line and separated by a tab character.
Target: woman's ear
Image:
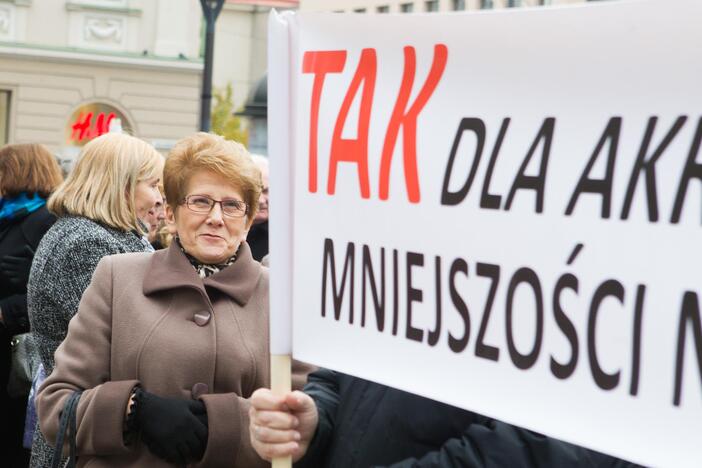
170	215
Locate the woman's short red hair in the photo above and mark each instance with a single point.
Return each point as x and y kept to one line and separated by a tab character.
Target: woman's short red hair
28	168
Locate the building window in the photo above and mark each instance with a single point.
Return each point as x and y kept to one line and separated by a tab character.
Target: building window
359	10
514	3
431	5
459	5
383	9
544	2
406	7
4	116
486	4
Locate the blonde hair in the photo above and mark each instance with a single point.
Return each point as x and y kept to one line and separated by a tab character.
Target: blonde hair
212	153
164	236
28	168
102	184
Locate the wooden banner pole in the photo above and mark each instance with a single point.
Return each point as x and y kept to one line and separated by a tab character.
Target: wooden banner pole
281	383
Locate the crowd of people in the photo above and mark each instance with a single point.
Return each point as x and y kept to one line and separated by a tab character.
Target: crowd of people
134	296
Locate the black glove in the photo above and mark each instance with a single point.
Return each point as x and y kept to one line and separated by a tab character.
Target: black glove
174	430
16	267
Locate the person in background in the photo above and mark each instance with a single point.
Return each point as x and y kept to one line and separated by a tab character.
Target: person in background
99	207
342	421
155	219
164	237
168	347
257	237
28	175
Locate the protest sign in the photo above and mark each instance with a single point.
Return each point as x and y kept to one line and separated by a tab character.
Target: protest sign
501	210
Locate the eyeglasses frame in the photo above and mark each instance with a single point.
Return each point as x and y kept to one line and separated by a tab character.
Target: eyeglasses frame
184	201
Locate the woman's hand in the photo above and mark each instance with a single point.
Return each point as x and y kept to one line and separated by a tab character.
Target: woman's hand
281	425
174	430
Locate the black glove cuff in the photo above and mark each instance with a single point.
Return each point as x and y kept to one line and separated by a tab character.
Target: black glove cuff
132	423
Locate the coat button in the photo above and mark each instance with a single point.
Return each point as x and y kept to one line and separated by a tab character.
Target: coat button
202	318
199	389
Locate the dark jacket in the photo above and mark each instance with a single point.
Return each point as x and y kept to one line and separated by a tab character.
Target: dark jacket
258	240
15	235
365	424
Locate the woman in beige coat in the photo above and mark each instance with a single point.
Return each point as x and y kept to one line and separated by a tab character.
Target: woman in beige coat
167	347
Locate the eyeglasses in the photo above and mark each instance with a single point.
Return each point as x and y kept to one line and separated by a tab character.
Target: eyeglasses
231	207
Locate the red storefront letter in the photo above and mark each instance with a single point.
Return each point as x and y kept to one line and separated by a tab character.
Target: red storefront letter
407	119
355	150
81	127
320	63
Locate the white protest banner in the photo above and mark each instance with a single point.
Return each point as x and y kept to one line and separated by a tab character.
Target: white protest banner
501	211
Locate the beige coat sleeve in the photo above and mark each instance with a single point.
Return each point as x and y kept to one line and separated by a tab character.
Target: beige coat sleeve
228	442
83	363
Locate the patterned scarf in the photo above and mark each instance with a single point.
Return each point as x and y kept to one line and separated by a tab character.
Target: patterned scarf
204	269
20	206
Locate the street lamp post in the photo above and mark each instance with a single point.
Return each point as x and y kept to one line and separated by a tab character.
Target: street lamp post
210	10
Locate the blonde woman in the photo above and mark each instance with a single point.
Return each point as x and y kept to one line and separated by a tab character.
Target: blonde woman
100	208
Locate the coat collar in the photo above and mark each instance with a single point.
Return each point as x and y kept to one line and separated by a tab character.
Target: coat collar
170	269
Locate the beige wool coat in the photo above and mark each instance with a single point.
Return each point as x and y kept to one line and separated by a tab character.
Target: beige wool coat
148	319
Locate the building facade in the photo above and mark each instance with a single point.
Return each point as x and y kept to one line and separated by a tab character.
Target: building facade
241	44
70	68
241	52
420	6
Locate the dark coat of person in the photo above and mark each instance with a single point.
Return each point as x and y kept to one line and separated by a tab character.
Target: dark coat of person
364	424
150	320
18	236
63	266
258	240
